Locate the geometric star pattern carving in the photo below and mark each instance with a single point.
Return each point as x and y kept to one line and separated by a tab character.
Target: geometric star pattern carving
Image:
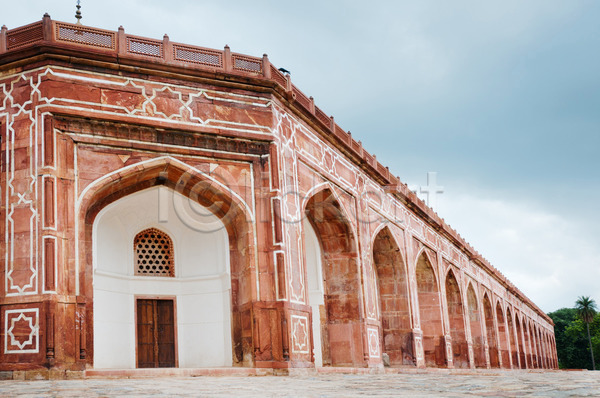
373	342
299	334
23	331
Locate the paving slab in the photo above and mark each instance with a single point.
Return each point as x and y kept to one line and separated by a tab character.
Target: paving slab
410	384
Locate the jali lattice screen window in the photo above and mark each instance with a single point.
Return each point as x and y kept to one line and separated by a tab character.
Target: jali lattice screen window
153	253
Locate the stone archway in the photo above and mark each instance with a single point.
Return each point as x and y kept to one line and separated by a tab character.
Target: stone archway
224	205
392	284
540	346
476	328
502	334
550	351
492	339
527	343
535	355
543	353
554	353
313	257
513	342
456	317
341	331
178	263
539	334
520	338
430	313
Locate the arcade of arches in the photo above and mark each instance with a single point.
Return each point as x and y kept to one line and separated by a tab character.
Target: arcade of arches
180	217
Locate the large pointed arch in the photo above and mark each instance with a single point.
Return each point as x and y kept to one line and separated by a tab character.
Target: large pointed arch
552	347
554	352
392	286
456	318
232	211
341	332
542	348
548	349
430	312
527	342
492	338
503	336
476	328
539	345
540	335
514	350
535	355
551	351
522	358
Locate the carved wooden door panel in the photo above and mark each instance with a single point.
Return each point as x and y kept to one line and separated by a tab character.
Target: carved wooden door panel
155	334
166	333
145	334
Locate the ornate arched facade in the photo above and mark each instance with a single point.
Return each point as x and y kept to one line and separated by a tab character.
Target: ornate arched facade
312	253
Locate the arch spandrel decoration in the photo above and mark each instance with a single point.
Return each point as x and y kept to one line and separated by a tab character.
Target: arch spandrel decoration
154	254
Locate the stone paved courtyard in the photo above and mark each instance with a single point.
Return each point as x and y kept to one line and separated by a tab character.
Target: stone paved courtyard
419	384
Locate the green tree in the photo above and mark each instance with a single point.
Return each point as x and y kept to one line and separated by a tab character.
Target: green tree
577	345
586	310
571	342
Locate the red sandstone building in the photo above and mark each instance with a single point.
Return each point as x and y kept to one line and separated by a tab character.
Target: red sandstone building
167	205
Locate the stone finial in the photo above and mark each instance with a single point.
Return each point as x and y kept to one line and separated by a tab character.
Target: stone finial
78	12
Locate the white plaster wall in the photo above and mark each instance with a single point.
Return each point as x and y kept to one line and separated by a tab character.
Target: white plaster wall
315	286
201	286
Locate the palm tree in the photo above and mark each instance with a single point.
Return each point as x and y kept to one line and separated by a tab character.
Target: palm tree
586	309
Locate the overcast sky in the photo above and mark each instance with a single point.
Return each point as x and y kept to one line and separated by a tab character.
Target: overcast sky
501	98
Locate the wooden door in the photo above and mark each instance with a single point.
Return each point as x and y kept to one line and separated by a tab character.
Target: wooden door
155	334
